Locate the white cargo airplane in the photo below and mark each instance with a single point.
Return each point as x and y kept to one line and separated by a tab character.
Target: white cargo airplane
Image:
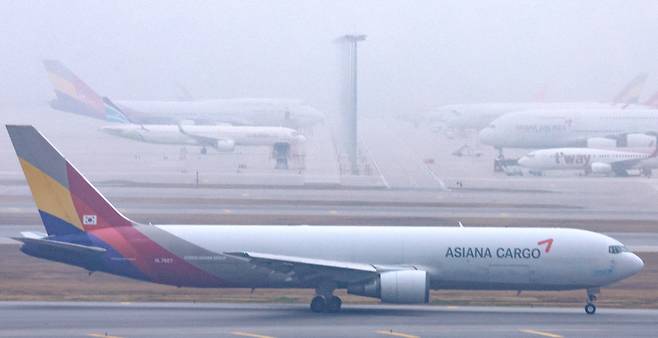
475	116
596	128
75	96
597	161
397	264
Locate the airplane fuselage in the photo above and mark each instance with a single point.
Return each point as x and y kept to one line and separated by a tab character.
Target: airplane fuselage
455	258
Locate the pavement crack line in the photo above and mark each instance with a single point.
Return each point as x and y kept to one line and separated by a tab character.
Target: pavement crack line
541	333
102	335
395	334
248	334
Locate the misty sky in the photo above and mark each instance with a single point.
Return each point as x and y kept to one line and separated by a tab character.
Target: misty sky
419	54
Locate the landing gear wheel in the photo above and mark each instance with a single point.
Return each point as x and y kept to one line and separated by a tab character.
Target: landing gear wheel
204	151
590	309
318	304
333	304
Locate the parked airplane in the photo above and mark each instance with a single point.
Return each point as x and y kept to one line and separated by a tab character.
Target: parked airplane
218	137
597	161
75	96
394	264
572	128
478	115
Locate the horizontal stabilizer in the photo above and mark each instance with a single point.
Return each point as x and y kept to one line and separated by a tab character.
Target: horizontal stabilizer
49	243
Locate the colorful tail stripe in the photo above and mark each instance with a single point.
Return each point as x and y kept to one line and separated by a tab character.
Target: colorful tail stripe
633	90
69	205
73	95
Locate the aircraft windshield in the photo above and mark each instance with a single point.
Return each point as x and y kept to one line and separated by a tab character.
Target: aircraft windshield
616	249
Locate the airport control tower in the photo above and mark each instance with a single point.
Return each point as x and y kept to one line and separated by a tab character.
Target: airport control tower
351	118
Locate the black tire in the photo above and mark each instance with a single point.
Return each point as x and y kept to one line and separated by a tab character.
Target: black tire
204	151
590	309
318	304
333	304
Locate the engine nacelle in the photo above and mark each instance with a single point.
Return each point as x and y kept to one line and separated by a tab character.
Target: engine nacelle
400	287
224	145
640	141
601	142
601	168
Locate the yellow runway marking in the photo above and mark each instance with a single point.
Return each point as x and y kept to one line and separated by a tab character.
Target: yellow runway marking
541	333
333	212
227	211
247	334
102	335
395	334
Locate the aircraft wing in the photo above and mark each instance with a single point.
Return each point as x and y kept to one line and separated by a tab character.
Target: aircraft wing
206	138
37	239
311	268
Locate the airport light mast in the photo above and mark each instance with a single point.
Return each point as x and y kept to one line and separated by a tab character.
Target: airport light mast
352	117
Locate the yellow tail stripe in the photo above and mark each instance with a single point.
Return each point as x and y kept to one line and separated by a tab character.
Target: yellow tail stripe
50	196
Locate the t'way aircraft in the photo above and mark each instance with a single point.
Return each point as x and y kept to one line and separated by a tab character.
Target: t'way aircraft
395	264
597	161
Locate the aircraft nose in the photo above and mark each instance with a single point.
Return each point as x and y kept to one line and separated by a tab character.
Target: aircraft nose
486	136
635	263
523	161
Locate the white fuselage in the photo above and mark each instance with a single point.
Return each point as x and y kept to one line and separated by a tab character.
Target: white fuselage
478	115
566	127
256	112
195	134
456	258
580	158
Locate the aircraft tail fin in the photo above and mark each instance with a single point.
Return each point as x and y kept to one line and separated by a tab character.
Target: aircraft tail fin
73	95
652	101
631	92
67	202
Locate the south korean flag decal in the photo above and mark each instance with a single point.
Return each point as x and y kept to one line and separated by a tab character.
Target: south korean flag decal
89	219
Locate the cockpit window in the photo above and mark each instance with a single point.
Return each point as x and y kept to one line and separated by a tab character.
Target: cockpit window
616	249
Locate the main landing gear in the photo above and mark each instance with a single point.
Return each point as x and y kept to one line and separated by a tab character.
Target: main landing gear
325	301
590	308
330	304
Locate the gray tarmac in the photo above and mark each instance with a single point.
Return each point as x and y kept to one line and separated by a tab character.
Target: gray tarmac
55	319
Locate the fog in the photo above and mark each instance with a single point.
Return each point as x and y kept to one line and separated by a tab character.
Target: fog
418	54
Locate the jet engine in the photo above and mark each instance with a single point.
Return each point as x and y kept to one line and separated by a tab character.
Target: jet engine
601	168
640	141
224	145
401	287
601	142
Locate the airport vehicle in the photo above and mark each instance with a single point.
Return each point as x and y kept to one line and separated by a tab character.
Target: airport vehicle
75	96
478	115
394	264
594	128
592	161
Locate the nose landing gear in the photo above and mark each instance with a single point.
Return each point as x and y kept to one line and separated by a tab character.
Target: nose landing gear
592	294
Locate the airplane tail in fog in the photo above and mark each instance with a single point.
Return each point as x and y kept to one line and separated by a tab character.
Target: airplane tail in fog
68	204
652	101
631	92
73	95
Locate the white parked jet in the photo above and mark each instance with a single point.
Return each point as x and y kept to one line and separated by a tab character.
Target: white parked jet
395	264
478	115
75	96
572	128
218	137
598	161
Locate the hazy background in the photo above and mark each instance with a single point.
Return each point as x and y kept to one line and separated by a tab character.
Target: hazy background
419	54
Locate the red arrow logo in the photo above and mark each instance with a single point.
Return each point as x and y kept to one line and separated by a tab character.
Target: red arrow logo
549	243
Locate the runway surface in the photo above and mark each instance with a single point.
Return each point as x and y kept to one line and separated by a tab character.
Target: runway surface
26	319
